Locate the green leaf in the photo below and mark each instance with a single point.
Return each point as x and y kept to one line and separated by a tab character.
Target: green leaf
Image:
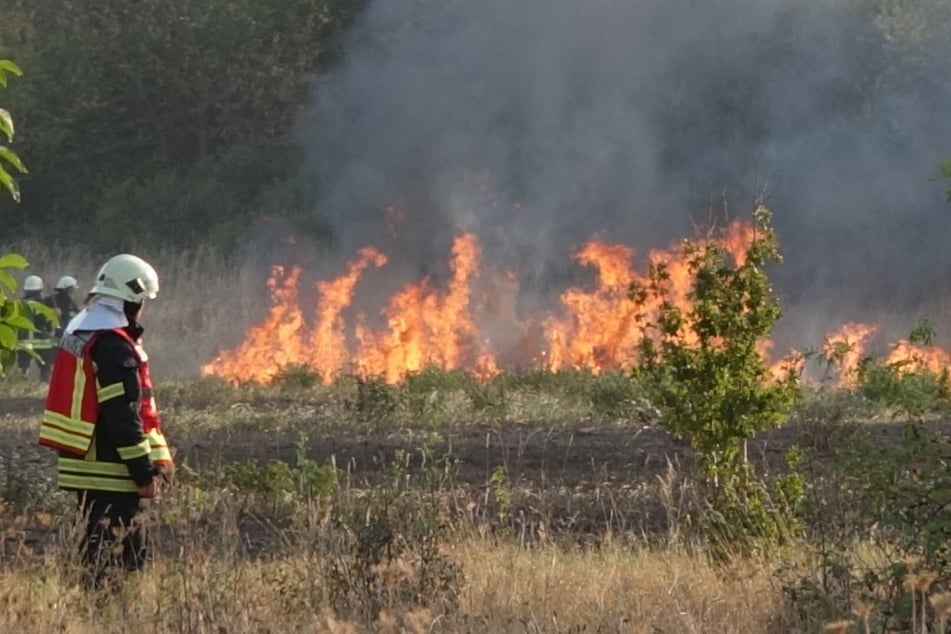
11	309
13	261
11	157
19	321
6	66
9	66
45	310
7	359
7	181
6	124
8	337
7	280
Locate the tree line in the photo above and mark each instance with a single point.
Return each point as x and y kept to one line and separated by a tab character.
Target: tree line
167	120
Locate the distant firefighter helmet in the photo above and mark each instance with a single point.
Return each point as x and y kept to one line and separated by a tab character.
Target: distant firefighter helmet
33	283
67	281
127	277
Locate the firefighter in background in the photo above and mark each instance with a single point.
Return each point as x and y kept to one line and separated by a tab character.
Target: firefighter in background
101	417
64	303
40	338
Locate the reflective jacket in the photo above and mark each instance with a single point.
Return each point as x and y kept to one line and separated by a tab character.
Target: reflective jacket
100	413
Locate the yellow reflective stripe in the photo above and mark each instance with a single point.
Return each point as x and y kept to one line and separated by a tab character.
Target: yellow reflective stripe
93	483
159	447
79	388
139	450
86	474
93	467
59	438
75	426
64	432
110	391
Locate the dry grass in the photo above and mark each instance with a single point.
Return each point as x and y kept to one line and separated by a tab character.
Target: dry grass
614	589
209	588
235	554
206	302
233	559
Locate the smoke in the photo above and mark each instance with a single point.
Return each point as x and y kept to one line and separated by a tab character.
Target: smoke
541	123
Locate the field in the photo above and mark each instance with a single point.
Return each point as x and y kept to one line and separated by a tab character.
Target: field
533	503
423	357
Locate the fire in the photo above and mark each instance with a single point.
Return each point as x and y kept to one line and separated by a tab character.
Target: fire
423	327
329	340
599	325
845	349
908	357
427	328
472	322
276	341
599	330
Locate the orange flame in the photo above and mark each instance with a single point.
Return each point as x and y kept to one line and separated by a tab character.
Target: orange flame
329	340
845	348
426	328
599	326
276	341
908	357
473	323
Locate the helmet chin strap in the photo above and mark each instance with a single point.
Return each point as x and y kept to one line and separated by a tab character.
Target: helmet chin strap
132	311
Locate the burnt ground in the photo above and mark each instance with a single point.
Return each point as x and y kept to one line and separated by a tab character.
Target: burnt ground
529	452
583	479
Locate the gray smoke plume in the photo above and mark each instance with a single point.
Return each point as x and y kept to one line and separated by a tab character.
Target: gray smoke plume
541	123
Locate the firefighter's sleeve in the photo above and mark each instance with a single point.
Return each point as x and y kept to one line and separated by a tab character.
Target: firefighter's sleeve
118	389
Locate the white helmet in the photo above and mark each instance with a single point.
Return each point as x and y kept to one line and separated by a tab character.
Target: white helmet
33	283
128	277
67	281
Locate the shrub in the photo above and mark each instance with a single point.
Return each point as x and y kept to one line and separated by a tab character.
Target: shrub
702	368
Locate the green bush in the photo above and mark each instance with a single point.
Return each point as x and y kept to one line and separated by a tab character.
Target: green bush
702	368
910	390
304	480
910	393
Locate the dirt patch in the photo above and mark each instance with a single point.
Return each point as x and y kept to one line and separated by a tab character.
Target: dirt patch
21	406
527	452
584	481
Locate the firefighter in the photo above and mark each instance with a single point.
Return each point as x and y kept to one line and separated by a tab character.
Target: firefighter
40	338
101	417
64	303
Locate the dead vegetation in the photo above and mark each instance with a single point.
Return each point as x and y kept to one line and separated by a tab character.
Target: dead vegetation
556	504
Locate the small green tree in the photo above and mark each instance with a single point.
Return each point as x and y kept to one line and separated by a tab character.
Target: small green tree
12	314
703	368
8	156
11	310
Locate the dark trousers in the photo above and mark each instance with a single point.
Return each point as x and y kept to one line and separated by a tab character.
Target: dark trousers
115	541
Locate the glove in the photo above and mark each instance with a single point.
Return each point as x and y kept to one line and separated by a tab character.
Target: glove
165	472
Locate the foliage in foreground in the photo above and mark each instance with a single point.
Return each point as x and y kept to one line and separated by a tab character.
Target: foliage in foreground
8	158
13	312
